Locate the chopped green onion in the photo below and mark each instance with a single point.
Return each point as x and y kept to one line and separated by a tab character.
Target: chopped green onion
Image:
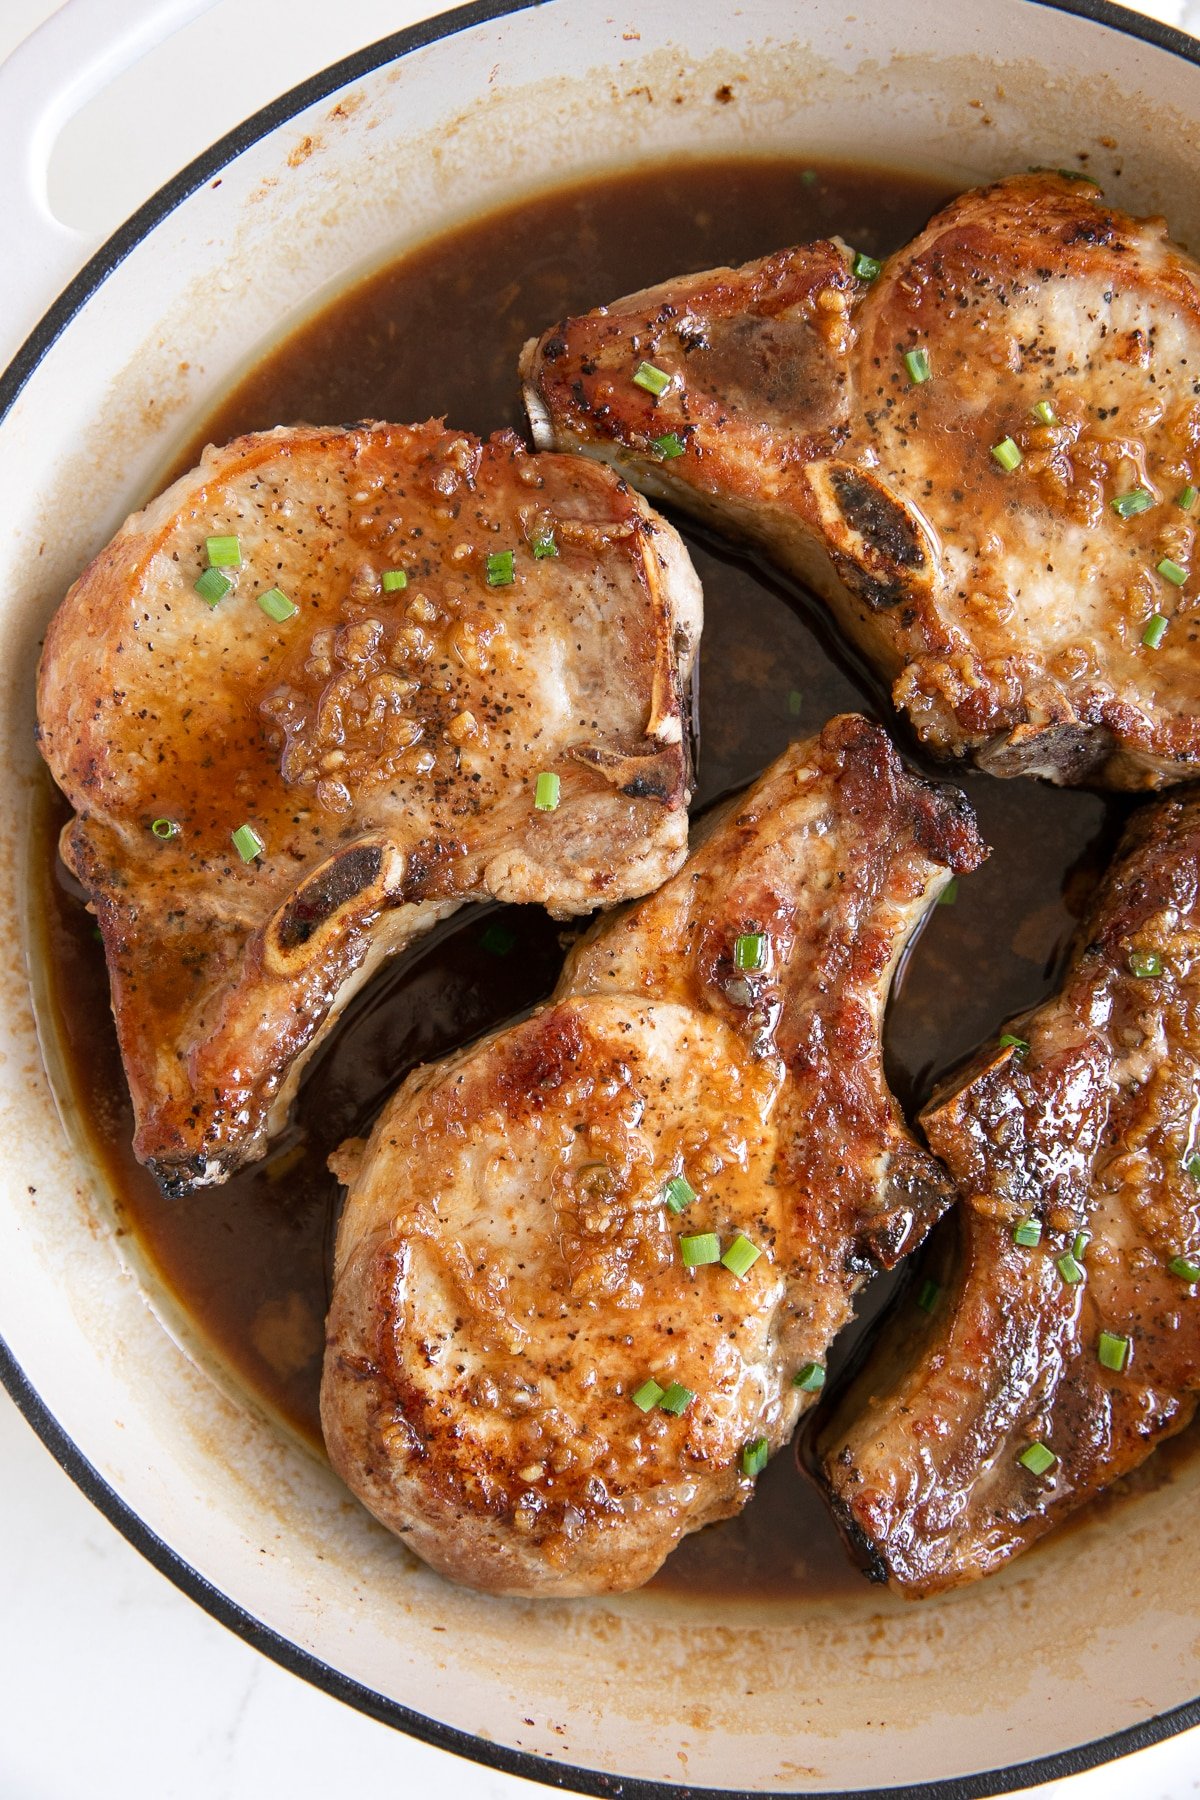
1018	1045
754	1457
809	177
678	1193
213	586
247	843
1037	1458
543	544
1069	1269
393	580
795	703
1079	1244
1007	454
165	828
1113	1351
1171	571
677	1398
655	381
223	552
929	1296
810	1379
500	568
741	1255
667	446
703	1247
1156	628
648	1395
1028	1233
1137	500
1077	175
949	894
547	791
1187	1270
1045	412
1186	498
497	940
1145	964
917	364
866	267
1192	1166
277	606
750	951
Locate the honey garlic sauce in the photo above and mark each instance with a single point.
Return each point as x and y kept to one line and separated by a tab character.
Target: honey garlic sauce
439	334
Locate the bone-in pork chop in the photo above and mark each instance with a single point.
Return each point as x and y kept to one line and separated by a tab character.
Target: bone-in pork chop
588	1270
984	457
422	670
1055	1338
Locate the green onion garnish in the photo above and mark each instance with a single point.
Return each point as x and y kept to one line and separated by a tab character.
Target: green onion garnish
750	951
1069	1269
543	544
1192	1166
1113	1351
1017	1045
667	446
1145	964
247	843
949	894
497	940
648	1395
1171	571
1186	498
866	267
703	1247
795	703
1045	412
223	552
1079	1244
929	1296
810	1379
1185	1269
1007	454
165	828
392	580
741	1255
213	586
1156	628
677	1398
1037	1458
917	364
1028	1233
276	605
500	568
754	1457
547	790
655	381
678	1193
1137	500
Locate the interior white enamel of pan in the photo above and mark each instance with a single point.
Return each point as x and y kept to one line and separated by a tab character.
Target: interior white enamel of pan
1088	1636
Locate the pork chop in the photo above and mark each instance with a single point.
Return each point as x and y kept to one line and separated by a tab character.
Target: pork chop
1057	1338
588	1270
421	670
983	456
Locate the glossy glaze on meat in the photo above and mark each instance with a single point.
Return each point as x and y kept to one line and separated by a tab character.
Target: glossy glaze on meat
384	745
1008	607
1094	1129
508	1273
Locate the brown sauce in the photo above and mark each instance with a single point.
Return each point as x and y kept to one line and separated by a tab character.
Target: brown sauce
439	333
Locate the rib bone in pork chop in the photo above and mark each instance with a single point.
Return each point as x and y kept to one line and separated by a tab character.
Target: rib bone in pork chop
985	459
420	628
538	1372
1065	1340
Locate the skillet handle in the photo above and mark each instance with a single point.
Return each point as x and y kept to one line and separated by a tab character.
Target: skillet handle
78	50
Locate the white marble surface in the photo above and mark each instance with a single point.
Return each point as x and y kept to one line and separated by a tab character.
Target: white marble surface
111	1682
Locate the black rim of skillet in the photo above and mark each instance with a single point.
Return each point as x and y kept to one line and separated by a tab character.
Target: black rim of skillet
288	1655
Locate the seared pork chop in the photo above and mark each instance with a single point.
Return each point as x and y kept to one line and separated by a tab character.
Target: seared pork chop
1058	1338
425	670
984	458
583	1265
